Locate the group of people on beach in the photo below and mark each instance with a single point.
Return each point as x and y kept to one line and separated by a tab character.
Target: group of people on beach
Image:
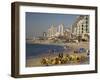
64	59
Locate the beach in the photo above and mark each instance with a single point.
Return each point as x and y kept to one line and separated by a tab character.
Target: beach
36	60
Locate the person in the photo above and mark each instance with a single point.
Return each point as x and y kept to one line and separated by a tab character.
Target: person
49	51
87	51
54	51
77	42
60	55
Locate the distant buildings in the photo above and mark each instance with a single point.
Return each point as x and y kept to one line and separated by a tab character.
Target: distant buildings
67	33
61	29
78	30
52	31
44	34
55	31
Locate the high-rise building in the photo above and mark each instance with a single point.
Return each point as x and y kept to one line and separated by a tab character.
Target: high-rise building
61	29
52	31
81	26
44	34
56	31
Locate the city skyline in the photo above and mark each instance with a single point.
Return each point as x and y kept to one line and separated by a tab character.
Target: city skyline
37	23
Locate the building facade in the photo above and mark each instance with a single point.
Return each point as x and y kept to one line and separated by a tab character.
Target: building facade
81	26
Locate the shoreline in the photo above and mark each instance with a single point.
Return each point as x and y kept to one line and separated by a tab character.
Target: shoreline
58	44
35	61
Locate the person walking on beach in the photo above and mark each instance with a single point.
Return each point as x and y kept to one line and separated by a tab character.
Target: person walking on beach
54	51
49	51
77	42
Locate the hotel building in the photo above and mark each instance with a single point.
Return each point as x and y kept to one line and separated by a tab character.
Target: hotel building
81	26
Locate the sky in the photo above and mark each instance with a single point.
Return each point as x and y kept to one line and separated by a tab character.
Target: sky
37	23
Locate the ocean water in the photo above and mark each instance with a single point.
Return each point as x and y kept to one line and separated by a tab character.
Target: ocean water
38	49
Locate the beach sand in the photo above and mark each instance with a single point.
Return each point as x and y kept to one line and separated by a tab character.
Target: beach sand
36	61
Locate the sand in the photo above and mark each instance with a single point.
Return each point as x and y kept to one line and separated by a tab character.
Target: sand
36	61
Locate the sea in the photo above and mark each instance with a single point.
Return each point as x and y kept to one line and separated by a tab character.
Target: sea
33	50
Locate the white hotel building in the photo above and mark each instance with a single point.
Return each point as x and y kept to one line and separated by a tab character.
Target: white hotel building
81	26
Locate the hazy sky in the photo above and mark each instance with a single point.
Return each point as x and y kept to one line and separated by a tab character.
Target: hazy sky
37	23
